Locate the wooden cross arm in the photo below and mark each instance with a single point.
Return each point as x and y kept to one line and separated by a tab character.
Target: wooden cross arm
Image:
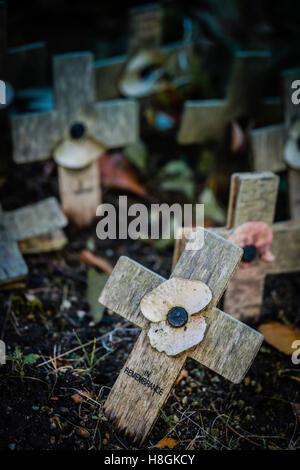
33	220
202	121
12	264
228	347
34	135
114	123
125	288
267	145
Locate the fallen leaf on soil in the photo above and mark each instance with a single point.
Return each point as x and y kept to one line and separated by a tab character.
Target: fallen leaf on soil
280	336
296	410
116	173
88	257
83	432
79	397
166	442
183	374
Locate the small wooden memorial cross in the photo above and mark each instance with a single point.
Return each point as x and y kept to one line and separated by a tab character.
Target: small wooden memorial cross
228	346
24	224
144	34
76	131
270	144
206	120
253	199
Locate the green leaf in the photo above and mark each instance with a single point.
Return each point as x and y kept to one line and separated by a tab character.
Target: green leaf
137	154
95	284
212	210
30	359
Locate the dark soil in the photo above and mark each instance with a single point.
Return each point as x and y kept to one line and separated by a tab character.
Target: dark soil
204	410
49	315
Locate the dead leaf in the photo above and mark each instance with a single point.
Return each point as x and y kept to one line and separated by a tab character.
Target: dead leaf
83	433
280	336
116	173
296	410
79	397
168	442
88	257
183	374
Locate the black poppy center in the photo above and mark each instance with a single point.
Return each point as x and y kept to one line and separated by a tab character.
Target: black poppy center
77	130
250	253
177	317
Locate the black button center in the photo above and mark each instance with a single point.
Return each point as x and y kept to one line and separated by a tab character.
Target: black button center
177	317
249	254
77	130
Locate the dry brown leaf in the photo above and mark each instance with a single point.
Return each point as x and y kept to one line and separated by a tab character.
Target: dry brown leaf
88	257
183	375
79	397
168	442
83	433
116	173
280	336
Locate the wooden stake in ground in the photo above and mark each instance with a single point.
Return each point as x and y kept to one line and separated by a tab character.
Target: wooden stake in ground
228	347
76	132
276	148
207	120
253	199
23	224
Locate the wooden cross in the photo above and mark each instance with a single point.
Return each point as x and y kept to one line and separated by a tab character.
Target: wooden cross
36	136
207	120
145	27
22	225
268	144
146	379
253	198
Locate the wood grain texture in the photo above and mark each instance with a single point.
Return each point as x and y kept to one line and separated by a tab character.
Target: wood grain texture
12	264
202	121
145	26
125	288
34	136
74	85
108	73
244	294
252	198
80	193
52	241
206	120
31	221
133	404
115	123
267	148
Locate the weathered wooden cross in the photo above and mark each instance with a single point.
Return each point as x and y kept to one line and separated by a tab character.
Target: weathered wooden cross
76	132
272	145
253	199
228	346
145	28
207	120
23	224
